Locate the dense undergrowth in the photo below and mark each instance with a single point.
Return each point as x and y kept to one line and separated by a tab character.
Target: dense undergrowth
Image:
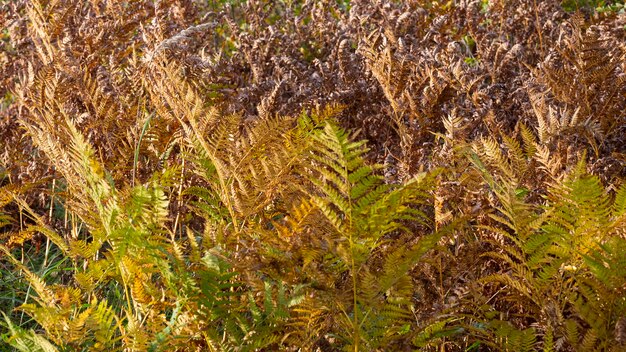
313	175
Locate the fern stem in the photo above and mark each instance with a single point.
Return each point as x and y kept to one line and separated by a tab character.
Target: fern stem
180	199
126	293
355	328
538	27
355	333
45	258
136	156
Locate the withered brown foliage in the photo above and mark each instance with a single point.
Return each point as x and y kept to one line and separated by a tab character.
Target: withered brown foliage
398	69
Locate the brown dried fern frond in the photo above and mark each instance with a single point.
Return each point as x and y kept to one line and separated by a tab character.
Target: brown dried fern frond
585	73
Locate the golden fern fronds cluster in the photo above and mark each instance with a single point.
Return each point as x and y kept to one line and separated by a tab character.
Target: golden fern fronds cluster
552	252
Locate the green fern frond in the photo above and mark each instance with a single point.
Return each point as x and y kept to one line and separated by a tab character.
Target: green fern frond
619	205
559	253
26	341
362	210
508	338
432	334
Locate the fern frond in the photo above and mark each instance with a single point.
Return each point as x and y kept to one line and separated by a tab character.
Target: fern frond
26	341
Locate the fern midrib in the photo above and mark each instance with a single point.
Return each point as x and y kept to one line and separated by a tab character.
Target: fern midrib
355	327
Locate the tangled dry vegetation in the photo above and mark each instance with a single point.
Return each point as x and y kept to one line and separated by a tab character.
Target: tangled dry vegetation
313	175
